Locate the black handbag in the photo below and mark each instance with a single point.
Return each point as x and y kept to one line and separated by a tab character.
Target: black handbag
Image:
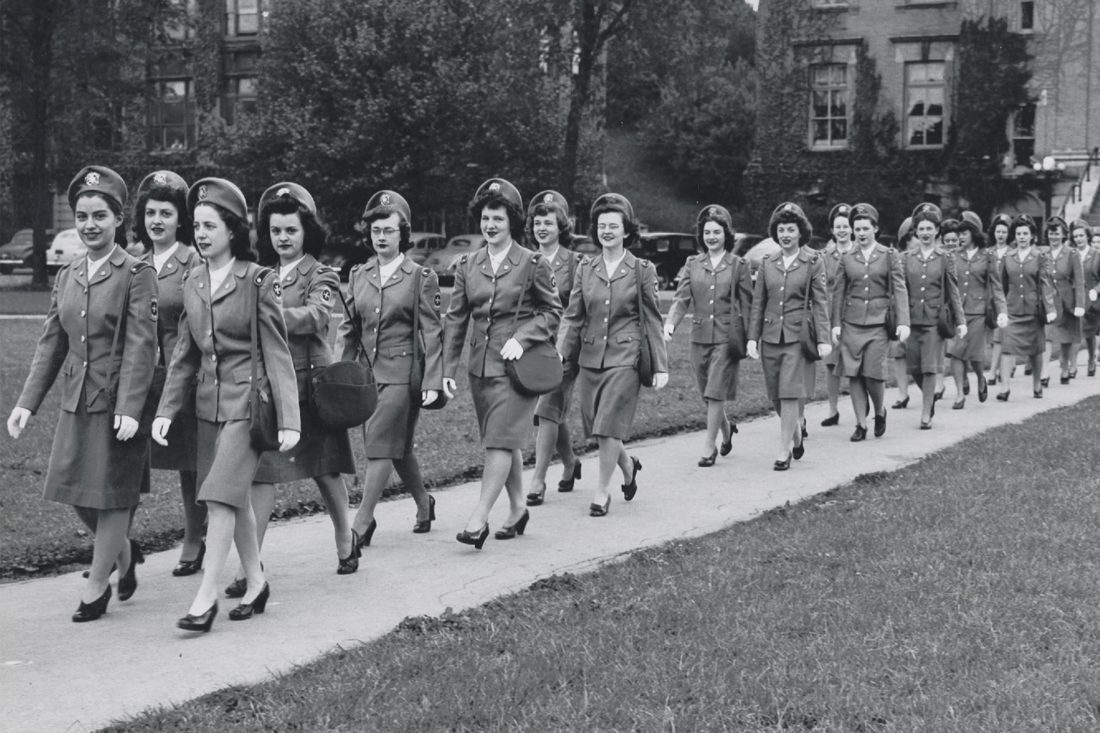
343	394
416	374
156	386
990	304
263	423
737	342
944	324
645	356
807	332
891	320
538	370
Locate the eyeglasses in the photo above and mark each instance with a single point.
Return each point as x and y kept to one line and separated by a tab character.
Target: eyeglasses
378	231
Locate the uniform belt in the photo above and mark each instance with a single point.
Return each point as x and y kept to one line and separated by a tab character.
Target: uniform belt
868	300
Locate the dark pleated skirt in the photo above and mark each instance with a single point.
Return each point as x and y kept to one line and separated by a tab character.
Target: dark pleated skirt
503	414
973	346
1066	330
1023	336
609	399
784	371
715	372
392	427
227	462
863	351
924	350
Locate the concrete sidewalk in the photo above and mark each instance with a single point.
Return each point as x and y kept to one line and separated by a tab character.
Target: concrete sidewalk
59	676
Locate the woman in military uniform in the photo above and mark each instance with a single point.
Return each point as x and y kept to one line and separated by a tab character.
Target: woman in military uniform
602	335
979	276
790	287
1069	298
998	233
101	336
499	285
720	308
1030	299
1079	234
866	278
840	244
163	225
550	231
289	227
932	286
386	297
221	296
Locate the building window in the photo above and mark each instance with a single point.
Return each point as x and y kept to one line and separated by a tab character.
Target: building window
171	118
242	17
829	106
1023	134
179	19
924	95
239	85
1027	15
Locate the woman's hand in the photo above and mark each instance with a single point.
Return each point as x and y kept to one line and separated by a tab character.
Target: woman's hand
511	350
753	352
962	330
1052	317
660	379
288	439
428	396
836	335
667	331
902	333
1002	320
126	427
17	420
1078	312
449	387
160	430
824	350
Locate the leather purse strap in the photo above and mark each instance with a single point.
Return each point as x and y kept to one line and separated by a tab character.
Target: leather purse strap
530	280
254	296
416	320
354	322
735	278
641	313
111	386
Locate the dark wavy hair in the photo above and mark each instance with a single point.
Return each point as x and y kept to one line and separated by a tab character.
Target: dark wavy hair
729	242
805	230
565	226
976	234
315	235
240	245
1023	221
116	209
403	227
630	226
1056	225
185	228
494	200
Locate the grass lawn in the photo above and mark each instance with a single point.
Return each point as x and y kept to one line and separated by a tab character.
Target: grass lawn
957	594
38	536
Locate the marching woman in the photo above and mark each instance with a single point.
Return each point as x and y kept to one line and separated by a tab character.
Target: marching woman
998	232
979	276
790	288
867	279
932	287
550	230
1079	234
505	297
394	306
1069	298
716	288
289	226
225	299
838	246
163	225
101	336
1029	292
613	314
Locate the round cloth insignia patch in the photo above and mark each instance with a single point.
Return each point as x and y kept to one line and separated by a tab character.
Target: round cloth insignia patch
326	294
438	301
278	290
714	211
153	309
92	179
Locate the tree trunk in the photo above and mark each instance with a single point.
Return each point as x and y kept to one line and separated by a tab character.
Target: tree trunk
42	27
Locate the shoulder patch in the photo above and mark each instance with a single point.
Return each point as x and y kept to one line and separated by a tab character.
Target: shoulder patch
326	294
437	300
278	289
153	309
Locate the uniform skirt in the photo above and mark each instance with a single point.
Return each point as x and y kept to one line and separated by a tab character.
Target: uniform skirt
390	429
182	450
609	399
715	372
1090	324
554	406
1023	336
864	350
319	452
784	371
896	349
226	462
971	347
924	350
1065	330
503	414
90	468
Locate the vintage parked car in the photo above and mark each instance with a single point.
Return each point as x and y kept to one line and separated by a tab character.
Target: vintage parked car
16	254
421	246
668	251
65	248
446	260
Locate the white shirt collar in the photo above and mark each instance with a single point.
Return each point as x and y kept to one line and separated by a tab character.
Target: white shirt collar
160	259
385	271
217	276
94	266
613	265
284	269
495	260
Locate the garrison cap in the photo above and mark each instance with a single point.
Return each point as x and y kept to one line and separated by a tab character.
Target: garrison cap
98	179
549	198
839	210
717	213
387	202
218	191
1057	221
289	190
790	212
613	202
162	179
504	189
864	211
927	212
975	221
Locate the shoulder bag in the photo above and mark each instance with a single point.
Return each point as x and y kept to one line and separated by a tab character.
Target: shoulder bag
990	304
539	369
263	427
343	394
891	320
737	343
944	323
645	356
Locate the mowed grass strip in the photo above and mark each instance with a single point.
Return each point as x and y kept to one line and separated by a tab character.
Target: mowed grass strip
38	536
958	594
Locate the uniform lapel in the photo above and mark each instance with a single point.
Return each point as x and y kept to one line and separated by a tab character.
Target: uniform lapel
625	266
236	273
403	270
372	273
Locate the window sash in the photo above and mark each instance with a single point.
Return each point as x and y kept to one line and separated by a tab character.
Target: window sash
829	106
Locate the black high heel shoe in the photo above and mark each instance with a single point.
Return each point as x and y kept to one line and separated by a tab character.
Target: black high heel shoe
127	583
95	609
566	485
798	451
805	432
708	461
190	567
535	498
348	565
599	510
783	465
901	404
831	420
425	525
238	587
629	490
365	538
477	539
201	622
244	611
508	532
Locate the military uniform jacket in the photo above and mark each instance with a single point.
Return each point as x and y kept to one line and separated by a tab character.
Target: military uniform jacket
932	285
214	347
1090	269
80	328
564	265
602	327
861	290
832	257
384	314
979	280
1029	289
484	305
706	291
1069	279
170	296
309	293
779	301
